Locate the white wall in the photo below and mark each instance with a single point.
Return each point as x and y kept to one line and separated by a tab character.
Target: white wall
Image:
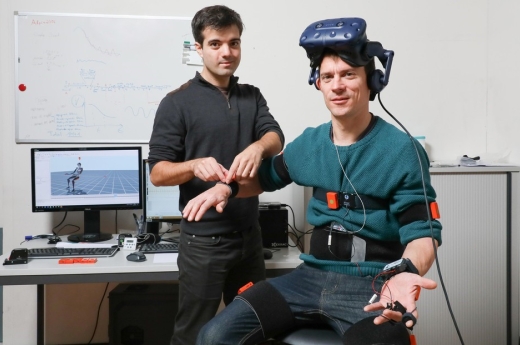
454	80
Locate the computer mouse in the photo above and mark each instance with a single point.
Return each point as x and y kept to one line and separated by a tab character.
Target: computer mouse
136	256
267	254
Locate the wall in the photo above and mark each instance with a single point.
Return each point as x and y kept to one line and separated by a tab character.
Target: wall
453	80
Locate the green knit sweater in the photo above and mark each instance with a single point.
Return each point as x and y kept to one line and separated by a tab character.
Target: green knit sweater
383	164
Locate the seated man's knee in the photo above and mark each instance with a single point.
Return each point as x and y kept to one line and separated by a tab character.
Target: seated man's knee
210	334
227	327
270	307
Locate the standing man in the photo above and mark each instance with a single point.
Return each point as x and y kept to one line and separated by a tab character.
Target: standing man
374	233
207	130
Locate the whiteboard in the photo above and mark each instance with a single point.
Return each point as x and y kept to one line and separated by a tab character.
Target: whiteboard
96	78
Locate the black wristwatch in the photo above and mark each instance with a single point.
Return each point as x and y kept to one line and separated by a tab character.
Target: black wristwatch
399	266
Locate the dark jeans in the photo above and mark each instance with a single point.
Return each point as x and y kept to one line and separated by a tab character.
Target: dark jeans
314	296
212	268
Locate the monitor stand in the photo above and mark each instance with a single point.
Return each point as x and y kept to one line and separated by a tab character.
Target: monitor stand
153	227
92	231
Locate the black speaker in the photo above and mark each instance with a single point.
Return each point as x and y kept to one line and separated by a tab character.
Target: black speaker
273	222
142	314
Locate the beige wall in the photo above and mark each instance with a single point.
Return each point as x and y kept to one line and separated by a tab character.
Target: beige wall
454	79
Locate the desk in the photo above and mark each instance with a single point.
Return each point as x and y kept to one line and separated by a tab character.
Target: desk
115	269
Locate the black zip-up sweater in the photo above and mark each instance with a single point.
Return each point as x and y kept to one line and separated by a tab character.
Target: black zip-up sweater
196	121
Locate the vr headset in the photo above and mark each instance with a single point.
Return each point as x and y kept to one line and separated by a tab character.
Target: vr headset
347	37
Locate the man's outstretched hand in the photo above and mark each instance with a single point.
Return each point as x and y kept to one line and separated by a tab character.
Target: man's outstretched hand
217	196
403	287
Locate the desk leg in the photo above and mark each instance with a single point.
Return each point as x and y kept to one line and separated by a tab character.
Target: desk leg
40	310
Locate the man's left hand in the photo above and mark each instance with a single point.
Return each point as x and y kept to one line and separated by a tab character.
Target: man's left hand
245	164
403	287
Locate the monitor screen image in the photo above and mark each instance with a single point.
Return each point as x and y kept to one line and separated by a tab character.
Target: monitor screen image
161	204
88	179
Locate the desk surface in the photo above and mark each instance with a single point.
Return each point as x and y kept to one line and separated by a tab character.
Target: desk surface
116	268
474	170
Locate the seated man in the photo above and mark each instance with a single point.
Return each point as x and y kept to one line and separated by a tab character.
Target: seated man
370	207
75	176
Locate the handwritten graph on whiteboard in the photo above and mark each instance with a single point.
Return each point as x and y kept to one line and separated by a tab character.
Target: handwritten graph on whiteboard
96	79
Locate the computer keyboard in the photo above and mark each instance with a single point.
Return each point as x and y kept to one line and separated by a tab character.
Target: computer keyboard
58	253
159	248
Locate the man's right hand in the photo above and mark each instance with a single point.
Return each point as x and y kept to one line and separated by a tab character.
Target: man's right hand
216	196
208	169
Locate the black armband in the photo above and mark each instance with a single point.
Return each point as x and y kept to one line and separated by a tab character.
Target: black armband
413	213
233	186
401	265
281	169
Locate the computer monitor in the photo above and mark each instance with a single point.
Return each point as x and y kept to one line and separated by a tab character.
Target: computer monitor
88	179
160	204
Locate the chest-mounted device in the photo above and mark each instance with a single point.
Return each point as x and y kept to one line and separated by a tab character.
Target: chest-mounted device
347	37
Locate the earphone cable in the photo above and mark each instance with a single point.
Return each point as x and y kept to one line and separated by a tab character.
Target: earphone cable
355	192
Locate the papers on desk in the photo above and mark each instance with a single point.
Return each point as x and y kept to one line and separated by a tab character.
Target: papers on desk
487	159
477	162
466	161
165	258
443	164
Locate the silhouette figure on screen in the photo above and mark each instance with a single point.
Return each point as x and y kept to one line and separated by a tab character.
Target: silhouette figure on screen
74	176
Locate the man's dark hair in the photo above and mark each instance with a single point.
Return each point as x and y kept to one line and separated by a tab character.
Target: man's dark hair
369	67
216	17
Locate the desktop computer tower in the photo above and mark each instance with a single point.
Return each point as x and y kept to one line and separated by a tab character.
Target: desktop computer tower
274	225
142	314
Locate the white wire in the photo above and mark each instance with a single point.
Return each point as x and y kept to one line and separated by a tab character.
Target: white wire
355	191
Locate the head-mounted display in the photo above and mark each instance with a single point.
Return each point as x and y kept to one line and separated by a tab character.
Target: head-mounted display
347	37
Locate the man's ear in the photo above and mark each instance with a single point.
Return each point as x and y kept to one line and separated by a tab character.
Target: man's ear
198	47
317	83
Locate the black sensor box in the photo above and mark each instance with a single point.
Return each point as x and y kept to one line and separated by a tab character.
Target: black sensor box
274	225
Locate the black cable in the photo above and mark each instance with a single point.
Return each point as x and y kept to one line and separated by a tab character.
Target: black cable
64	216
294	219
299	242
429	220
98	311
57	233
63	227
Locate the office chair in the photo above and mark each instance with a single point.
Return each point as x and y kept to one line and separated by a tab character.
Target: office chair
311	335
363	332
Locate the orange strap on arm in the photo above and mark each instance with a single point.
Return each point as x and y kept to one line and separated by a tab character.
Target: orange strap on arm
434	208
